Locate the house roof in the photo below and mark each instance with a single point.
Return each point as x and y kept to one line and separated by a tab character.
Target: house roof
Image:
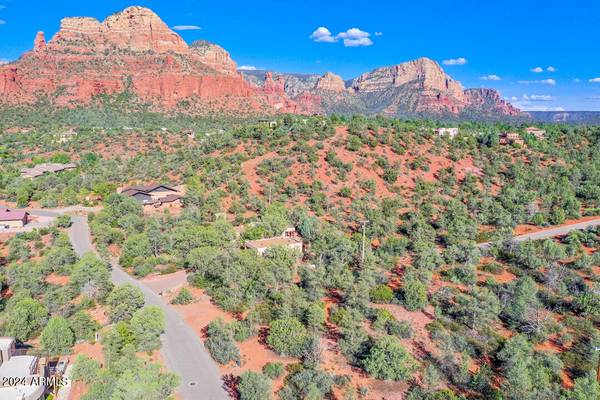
130	191
170	198
271	242
6	342
10	215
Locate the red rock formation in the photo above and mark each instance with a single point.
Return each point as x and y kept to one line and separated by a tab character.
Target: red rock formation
39	44
132	50
214	56
490	100
135	51
330	83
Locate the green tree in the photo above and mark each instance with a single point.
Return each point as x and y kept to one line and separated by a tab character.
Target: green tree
414	293
147	324
57	337
287	337
83	326
585	388
124	301
389	360
25	318
254	386
85	369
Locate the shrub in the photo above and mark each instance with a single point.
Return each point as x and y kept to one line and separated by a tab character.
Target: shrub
242	330
273	370
287	337
381	294
492	268
389	360
183	297
220	344
254	386
414	293
63	221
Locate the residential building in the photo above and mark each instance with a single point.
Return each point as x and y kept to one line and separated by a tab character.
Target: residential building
537	132
66	136
289	238
511	138
13	219
45	168
154	195
451	132
29	375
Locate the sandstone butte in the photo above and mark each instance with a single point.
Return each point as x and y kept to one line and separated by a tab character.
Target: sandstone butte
135	51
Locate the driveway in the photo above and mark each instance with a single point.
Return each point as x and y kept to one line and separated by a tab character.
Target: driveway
550	232
183	351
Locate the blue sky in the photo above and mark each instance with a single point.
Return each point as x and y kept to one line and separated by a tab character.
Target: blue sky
502	42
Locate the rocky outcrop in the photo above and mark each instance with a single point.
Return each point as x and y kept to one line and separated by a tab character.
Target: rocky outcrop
129	51
39	44
136	29
134	51
330	83
489	101
214	56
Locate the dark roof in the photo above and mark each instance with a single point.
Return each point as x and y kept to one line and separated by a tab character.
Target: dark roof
10	215
151	188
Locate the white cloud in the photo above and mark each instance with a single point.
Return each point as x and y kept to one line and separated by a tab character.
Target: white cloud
247	68
490	78
595	80
537	70
354	37
576	80
551	69
538	97
186	28
322	35
455	61
541	108
550	82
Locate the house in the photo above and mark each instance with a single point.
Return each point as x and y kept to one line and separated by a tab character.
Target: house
537	132
66	136
26	369
451	132
511	138
154	195
289	238
45	168
268	123
13	219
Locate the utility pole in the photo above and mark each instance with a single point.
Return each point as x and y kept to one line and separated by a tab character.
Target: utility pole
597	366
364	227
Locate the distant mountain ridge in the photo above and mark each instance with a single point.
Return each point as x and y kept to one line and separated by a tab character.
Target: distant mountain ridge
135	51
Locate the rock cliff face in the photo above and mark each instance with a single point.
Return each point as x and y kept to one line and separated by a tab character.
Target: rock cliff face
489	101
214	56
134	51
130	51
330	83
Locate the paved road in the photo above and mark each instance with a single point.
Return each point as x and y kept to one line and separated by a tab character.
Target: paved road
183	351
550	232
